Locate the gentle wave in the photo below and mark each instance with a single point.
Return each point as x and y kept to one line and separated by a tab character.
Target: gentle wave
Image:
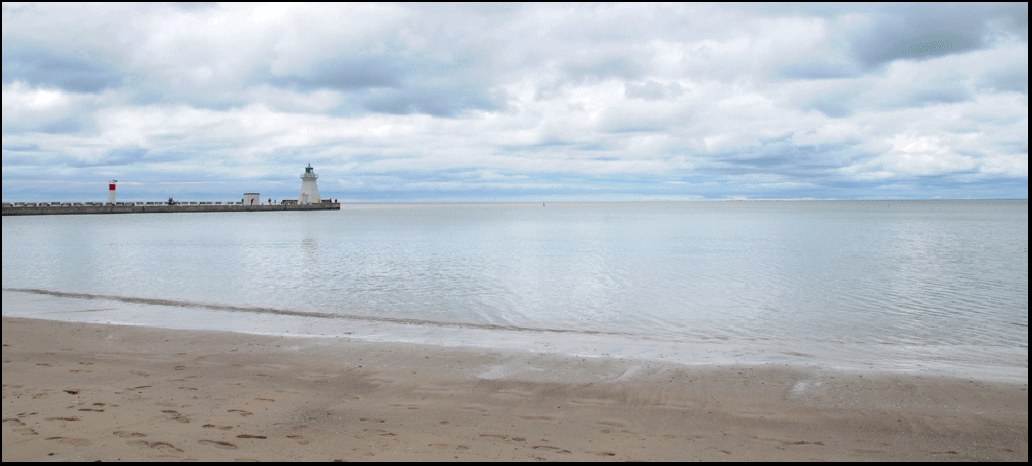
317	315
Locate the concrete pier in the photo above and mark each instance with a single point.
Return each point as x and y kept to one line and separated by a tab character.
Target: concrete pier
155	208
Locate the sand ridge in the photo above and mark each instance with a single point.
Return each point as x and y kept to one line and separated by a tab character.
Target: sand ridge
90	392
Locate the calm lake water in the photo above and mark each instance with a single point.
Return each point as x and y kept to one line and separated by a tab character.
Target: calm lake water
926	287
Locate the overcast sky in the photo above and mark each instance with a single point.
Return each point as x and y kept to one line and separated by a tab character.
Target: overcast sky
459	102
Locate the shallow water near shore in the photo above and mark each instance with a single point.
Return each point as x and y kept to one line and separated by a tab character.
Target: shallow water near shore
937	287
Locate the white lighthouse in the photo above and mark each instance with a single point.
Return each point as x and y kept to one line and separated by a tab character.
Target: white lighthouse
111	191
309	189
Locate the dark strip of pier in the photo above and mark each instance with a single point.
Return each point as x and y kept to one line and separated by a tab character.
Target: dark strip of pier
155	208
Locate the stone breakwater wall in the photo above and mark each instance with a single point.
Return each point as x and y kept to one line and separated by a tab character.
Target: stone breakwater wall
66	209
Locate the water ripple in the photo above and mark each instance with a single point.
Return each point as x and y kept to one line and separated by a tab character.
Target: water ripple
318	315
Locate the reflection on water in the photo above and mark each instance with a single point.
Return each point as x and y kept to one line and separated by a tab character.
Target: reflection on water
947	278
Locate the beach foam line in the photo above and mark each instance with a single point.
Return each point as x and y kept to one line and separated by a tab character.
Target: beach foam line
284	312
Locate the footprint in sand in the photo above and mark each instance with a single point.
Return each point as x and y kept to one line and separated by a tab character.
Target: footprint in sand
218	444
442	446
240	412
177	417
551	449
590	402
13	420
75	442
538	418
403	405
124	434
376	420
803	442
64	419
249	436
300	439
213	426
160	446
165	447
382	433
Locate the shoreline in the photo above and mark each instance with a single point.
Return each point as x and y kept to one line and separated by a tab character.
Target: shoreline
86	392
995	366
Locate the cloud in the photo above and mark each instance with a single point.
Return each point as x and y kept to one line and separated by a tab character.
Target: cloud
446	101
443	101
15	147
915	32
1014	80
653	90
45	110
118	156
346	73
45	69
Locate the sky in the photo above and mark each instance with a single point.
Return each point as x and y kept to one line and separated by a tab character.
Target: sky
515	102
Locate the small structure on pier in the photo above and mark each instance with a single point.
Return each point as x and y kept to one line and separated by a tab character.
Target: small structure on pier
309	188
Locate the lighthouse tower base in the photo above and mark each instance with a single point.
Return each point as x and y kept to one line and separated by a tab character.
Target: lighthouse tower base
309	193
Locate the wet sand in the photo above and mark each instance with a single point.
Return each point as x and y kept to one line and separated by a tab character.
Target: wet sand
85	392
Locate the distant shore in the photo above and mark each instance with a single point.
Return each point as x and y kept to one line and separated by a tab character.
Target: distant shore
86	392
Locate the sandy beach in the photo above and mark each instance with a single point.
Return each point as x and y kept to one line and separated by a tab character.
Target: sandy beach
85	392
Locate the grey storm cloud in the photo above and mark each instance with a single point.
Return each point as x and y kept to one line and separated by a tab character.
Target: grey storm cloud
916	31
442	102
71	73
834	107
944	95
116	157
347	73
780	156
1013	79
393	84
21	147
816	69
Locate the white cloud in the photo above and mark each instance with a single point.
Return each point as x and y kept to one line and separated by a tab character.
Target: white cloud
19	98
922	155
